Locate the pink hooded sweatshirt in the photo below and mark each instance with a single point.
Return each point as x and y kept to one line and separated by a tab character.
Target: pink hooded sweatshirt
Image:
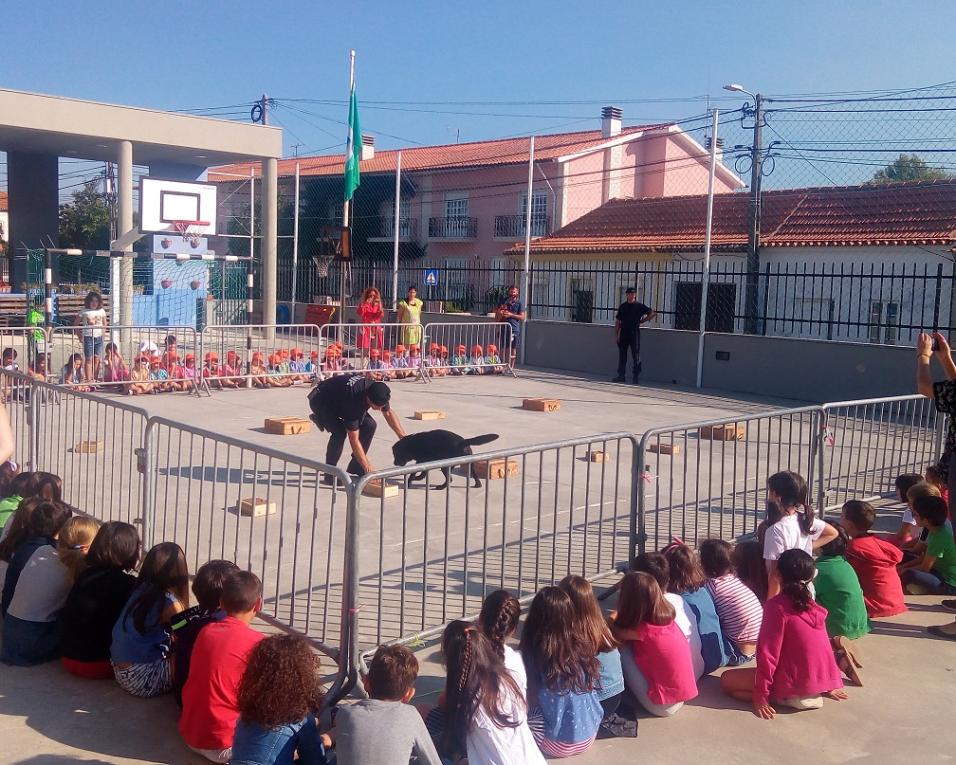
794	656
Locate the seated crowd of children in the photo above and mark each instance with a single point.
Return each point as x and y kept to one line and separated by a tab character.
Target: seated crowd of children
78	591
155	370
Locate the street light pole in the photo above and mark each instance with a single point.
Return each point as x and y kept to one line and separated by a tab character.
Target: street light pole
753	235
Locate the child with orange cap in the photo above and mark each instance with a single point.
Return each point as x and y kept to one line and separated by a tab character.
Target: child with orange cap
176	379
433	361
375	365
260	375
387	367
493	360
158	375
297	366
230	371
414	360
189	368
277	377
459	362
477	360
139	376
400	363
211	370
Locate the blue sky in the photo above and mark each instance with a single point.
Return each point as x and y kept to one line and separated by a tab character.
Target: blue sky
182	55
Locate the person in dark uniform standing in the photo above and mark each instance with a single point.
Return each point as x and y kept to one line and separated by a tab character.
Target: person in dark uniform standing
512	312
627	333
340	405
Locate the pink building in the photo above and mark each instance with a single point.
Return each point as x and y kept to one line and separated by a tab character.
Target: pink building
467	201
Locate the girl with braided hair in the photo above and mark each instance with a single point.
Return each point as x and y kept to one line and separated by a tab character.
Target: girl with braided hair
484	714
498	621
795	664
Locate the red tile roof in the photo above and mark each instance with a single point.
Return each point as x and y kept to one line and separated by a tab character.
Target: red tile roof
504	151
921	213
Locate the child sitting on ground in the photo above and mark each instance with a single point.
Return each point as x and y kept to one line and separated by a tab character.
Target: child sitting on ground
493	360
477	360
590	622
72	374
498	619
279	695
40	367
656	659
687	580
139	383
312	365
97	599
219	658
35	525
738	607
564	675
159	376
384	728
18	487
655	564
31	634
210	370
933	571
795	664
207	587
115	370
908	532
459	362
9	360
400	362
388	370
414	360
230	371
433	362
839	592
875	560
483	714
375	365
140	650
279	372
34	595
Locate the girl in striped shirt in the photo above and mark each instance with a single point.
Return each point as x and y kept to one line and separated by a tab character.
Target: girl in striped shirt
738	608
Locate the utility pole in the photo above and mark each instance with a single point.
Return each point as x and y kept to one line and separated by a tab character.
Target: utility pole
264	103
752	325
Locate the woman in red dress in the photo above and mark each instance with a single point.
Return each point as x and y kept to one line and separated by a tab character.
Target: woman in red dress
370	312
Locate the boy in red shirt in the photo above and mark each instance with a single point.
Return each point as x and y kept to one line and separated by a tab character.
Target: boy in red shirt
210	696
875	560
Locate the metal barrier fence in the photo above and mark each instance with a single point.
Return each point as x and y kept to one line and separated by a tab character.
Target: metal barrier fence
473	348
393	350
869	442
219	497
260	355
130	358
429	556
708	479
21	346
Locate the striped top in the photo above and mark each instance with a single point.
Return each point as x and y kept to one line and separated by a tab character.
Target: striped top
738	609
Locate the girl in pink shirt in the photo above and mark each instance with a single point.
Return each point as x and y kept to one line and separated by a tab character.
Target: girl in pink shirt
657	664
795	664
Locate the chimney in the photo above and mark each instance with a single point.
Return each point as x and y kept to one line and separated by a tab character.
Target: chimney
720	147
610	121
368	147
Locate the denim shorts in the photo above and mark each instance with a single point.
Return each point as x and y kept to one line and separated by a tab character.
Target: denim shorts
92	346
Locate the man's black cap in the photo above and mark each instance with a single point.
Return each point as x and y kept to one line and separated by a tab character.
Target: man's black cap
379	393
630	291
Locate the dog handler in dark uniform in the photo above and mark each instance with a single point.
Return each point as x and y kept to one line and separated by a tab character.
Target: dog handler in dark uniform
340	405
627	333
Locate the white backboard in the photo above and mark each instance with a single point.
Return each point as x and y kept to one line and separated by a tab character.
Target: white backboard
162	202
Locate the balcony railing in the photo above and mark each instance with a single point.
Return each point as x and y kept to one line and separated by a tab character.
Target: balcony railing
508	226
407	228
453	227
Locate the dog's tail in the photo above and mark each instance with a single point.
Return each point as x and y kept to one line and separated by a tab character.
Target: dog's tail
479	440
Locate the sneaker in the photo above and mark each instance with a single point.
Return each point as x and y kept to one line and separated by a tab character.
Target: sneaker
949	605
618	379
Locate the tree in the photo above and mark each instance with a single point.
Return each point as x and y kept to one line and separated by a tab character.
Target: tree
85	222
909	167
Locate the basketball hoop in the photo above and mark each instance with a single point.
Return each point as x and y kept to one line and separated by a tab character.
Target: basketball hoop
189	230
322	264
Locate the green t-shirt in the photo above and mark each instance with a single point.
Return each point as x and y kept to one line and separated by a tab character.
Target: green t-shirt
839	592
8	507
940	545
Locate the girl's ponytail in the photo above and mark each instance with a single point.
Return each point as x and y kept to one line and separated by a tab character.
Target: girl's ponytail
799	594
499	618
796	570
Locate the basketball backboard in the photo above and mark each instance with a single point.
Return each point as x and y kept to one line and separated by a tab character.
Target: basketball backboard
162	204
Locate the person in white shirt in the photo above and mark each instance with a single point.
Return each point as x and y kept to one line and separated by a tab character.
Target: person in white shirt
498	621
484	711
796	529
92	319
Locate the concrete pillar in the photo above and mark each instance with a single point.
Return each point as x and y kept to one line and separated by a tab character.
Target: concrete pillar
33	186
124	196
269	243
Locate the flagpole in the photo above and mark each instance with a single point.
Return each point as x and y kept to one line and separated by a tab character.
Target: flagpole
345	207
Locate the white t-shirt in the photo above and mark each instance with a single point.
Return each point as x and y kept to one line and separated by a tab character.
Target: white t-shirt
149	348
786	534
94	319
515	665
490	745
42	588
687	622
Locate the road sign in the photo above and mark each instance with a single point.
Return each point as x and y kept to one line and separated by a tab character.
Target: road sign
431	277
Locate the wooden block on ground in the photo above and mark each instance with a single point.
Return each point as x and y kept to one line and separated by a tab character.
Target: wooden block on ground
89	447
256	506
598	456
380	489
541	404
728	432
429	414
662	448
495	469
287	426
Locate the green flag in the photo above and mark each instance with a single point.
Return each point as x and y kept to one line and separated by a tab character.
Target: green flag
353	148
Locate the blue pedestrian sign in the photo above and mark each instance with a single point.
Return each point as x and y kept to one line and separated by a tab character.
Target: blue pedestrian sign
431	277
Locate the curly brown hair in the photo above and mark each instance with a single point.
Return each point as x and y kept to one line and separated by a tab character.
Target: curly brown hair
281	682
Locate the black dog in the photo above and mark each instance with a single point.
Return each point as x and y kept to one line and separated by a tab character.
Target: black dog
435	445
